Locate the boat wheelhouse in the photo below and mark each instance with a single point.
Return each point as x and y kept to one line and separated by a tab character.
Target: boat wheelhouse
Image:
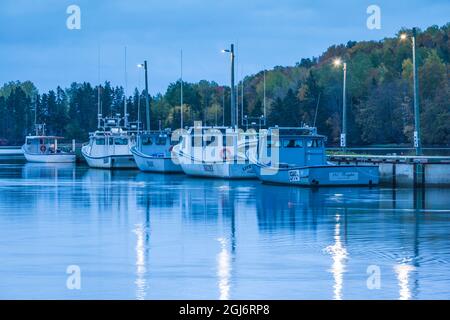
216	152
109	146
44	148
153	152
297	156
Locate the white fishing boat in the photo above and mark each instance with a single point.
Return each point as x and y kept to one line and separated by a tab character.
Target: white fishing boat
109	146
296	156
43	148
218	152
153	152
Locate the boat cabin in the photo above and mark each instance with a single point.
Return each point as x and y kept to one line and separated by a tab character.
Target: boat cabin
156	144
287	147
110	138
216	143
42	144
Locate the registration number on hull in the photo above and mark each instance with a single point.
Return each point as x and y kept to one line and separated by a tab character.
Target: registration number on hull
208	168
298	175
343	176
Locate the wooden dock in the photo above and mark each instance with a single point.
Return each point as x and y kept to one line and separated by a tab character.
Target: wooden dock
11	154
404	171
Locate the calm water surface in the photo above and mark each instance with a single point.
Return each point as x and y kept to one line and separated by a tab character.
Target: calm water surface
151	236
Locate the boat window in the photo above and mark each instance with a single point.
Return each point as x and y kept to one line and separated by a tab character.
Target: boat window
314	143
120	141
28	141
174	142
292	143
274	144
146	141
100	141
211	141
161	141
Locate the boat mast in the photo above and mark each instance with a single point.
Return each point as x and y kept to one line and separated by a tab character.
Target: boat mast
35	115
181	89
242	97
125	114
264	99
99	109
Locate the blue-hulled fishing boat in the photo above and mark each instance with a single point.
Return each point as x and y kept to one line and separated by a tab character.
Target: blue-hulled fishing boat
296	156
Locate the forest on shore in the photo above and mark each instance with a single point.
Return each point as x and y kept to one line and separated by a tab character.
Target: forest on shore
379	96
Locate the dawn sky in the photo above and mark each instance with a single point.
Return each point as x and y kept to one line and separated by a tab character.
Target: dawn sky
36	45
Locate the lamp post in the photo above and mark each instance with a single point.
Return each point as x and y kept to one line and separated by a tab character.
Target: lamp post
147	103
417	140
338	62
233	111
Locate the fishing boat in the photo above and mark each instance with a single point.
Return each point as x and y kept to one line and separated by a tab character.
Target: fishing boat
218	152
109	146
43	148
153	152
296	156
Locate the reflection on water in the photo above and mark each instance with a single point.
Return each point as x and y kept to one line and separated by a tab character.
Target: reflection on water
403	274
224	270
151	236
339	255
141	282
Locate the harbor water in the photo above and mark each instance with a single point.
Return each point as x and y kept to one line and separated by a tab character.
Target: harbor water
134	235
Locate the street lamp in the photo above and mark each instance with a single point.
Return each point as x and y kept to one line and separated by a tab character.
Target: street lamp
147	105
233	111
417	141
337	63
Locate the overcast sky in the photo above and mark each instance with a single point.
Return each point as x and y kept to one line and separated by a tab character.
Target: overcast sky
36	45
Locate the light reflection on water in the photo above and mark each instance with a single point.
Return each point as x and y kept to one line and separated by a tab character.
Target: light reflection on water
150	236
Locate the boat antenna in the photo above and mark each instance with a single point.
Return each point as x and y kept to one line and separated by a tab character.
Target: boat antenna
99	108
237	86
317	108
139	103
264	94
181	89
35	115
125	115
223	106
242	96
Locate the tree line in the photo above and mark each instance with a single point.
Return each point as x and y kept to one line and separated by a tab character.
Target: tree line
379	96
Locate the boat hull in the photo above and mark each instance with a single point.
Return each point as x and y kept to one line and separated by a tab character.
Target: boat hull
327	175
49	158
122	161
220	170
155	164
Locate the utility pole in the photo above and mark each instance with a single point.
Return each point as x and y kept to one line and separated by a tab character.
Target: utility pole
233	99
233	107
344	110
417	142
147	102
